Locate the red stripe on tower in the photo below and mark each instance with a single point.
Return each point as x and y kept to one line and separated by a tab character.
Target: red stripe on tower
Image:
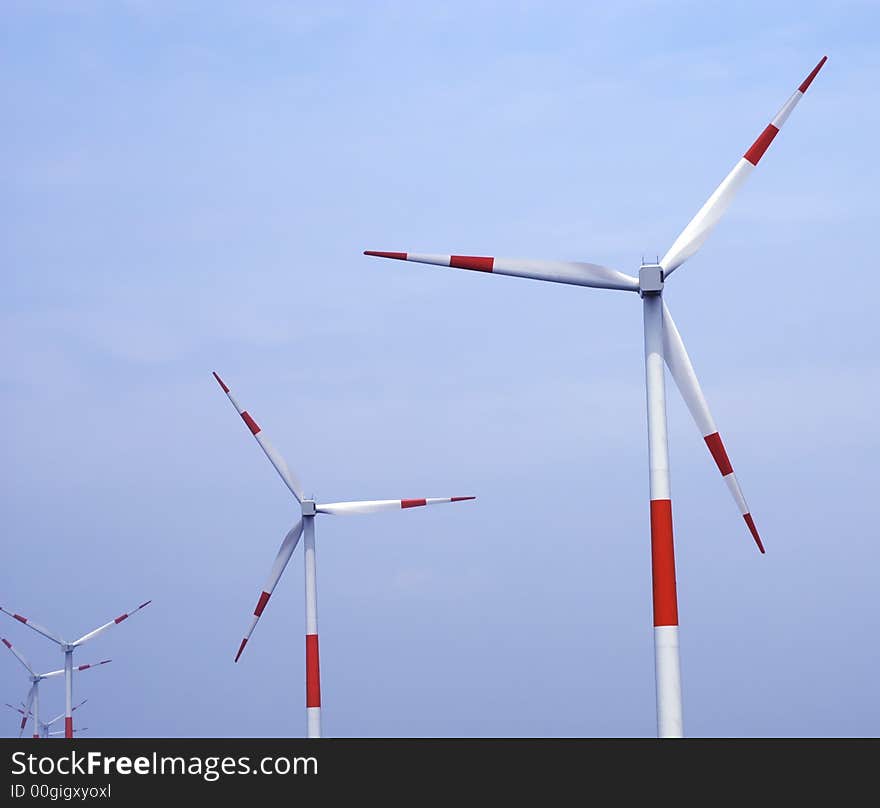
756	152
663	564
809	79
252	424
68	727
313	672
261	603
719	453
477	262
412	503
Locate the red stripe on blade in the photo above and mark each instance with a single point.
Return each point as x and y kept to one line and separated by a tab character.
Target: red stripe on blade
84	667
716	447
252	424
121	618
398	255
7	643
756	152
20	618
477	262
754	531
23	721
261	603
663	564
147	603
809	79
241	648
412	503
313	672
220	382
461	499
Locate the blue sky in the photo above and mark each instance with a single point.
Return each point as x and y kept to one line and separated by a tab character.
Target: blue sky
189	187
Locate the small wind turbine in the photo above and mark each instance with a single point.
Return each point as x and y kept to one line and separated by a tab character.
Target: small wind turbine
306	525
68	648
662	343
44	725
33	697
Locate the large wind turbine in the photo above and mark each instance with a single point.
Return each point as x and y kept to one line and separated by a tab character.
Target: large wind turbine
33	697
662	342
306	525
68	648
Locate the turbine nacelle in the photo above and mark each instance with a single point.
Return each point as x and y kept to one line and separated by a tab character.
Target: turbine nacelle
650	279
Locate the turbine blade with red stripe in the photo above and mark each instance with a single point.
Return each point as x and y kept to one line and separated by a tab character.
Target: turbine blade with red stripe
19	656
697	231
682	370
371	506
61	715
284	554
27	709
275	458
114	622
76	668
572	272
35	626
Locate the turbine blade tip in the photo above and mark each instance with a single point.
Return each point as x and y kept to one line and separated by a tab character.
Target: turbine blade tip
461	499
400	256
220	382
809	79
754	531
241	648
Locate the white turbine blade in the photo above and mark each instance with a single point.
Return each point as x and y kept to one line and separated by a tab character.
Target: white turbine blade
27	710
52	674
372	506
572	272
115	622
697	231
19	656
275	458
685	377
61	715
284	554
35	626
77	731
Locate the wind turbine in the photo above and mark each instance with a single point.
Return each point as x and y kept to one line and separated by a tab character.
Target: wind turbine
662	342
44	725
33	697
306	525
68	648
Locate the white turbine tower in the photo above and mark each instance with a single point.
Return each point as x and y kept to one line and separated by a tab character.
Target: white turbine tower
662	343
68	648
306	526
